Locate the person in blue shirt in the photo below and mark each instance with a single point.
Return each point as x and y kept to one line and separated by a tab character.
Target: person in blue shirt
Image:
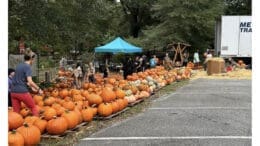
153	62
20	83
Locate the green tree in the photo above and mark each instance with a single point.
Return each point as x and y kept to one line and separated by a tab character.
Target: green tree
137	15
189	21
238	7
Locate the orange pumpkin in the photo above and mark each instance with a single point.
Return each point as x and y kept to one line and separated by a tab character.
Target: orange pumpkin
63	93
120	93
105	109
87	114
41	124
37	98
49	113
94	99
72	118
15	138
49	100
30	119
25	112
57	126
15	120
55	93
115	106
30	133
68	105
108	94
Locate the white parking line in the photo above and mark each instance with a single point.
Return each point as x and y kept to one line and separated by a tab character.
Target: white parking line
214	92
165	138
197	108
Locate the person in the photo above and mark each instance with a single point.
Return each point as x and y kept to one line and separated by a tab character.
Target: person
196	59
91	73
167	62
11	73
140	64
136	64
144	63
22	79
185	58
208	56
78	74
63	62
153	62
106	71
128	68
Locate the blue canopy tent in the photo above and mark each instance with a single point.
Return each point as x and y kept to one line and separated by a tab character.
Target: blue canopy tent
118	46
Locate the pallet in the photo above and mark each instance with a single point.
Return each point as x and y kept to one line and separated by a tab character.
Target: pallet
111	116
69	131
136	102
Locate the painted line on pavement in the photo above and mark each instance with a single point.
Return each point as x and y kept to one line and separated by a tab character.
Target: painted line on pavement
165	138
208	93
203	108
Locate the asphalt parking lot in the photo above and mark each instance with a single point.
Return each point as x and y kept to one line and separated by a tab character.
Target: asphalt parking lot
206	112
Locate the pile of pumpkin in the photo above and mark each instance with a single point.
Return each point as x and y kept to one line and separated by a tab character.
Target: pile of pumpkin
62	108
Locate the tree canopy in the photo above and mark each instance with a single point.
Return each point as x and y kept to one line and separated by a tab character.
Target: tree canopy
84	24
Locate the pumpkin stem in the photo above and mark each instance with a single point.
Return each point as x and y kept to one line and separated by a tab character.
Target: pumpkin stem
13	131
25	124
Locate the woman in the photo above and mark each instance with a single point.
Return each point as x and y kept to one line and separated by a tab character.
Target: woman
22	79
78	75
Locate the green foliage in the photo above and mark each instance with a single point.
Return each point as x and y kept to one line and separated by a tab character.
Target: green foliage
84	24
189	21
238	7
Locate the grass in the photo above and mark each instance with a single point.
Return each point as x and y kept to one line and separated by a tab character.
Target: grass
95	125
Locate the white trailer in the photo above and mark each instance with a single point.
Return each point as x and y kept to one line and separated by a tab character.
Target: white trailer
233	37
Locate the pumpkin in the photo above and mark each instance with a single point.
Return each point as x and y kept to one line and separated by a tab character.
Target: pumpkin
77	111
108	94
37	98
105	109
85	93
30	119
15	138
72	118
111	81
15	120
57	126
69	105
49	113
77	97
25	112
115	106
49	100
41	124
94	110
130	98
87	114
144	94
120	93
78	105
94	99
121	104
63	93
30	133
55	93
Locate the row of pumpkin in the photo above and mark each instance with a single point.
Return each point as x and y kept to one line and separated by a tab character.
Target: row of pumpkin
62	107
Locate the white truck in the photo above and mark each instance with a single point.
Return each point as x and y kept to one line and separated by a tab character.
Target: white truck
233	37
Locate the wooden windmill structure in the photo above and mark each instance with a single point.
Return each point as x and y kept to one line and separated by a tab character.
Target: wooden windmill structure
178	48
